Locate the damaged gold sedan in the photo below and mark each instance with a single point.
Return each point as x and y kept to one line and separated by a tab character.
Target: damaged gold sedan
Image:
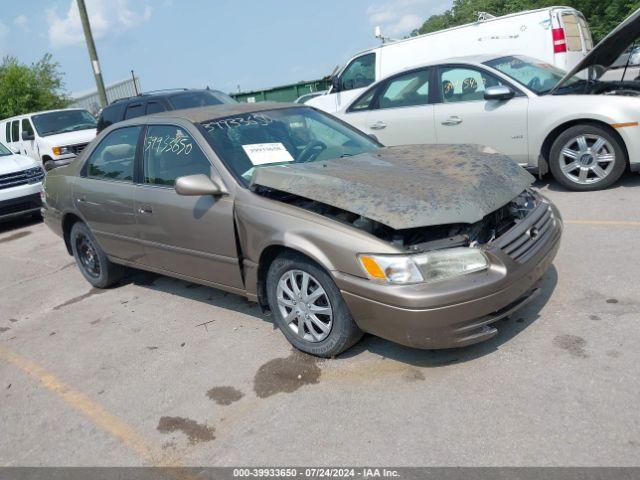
336	235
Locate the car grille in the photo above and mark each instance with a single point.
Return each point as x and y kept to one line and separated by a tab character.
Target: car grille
77	149
16	179
522	242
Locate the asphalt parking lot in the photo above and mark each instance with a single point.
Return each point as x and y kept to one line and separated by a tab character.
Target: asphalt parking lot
161	372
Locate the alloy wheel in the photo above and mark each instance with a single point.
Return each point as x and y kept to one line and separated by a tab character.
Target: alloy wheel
587	159
304	305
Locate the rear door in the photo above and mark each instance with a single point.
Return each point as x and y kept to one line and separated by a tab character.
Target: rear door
402	113
190	236
464	116
103	193
572	38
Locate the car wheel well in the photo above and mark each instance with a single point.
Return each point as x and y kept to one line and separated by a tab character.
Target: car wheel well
555	133
267	257
68	221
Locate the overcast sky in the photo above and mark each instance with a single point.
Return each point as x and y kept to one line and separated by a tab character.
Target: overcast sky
193	43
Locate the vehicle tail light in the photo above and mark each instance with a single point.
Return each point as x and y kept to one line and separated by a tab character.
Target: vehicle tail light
559	40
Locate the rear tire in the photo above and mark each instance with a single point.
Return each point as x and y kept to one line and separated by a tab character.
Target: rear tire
91	259
312	315
586	158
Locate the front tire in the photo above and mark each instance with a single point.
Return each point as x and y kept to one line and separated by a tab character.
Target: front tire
91	260
308	307
586	158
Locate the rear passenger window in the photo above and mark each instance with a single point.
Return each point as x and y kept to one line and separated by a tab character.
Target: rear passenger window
110	115
459	84
410	89
114	158
8	132
169	153
154	107
133	111
572	32
15	130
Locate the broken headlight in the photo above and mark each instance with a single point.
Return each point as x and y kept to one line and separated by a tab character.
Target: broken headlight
428	267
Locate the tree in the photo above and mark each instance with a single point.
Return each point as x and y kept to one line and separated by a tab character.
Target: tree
29	88
602	16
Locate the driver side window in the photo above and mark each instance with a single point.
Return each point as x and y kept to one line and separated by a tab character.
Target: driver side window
360	73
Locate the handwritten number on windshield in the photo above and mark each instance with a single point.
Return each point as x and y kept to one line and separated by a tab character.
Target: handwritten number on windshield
178	145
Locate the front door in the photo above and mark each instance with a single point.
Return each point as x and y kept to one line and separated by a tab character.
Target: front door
402	114
464	116
103	194
28	147
191	236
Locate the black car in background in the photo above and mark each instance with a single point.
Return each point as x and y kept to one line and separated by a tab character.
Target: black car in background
159	101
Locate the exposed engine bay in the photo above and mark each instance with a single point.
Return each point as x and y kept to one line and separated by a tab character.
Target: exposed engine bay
422	239
625	89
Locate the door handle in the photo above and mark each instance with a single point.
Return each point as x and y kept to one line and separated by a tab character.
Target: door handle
145	210
81	199
451	121
378	126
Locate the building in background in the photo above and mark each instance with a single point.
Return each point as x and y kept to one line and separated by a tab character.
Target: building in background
284	93
91	101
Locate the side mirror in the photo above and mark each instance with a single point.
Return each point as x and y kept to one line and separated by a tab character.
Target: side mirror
499	92
27	136
196	186
335	83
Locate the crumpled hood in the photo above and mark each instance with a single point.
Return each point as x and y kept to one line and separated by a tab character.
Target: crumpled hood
407	186
15	163
609	48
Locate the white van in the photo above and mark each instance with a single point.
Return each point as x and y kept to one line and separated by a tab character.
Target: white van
557	35
54	136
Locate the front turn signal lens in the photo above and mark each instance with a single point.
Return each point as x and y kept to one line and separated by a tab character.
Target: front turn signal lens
372	268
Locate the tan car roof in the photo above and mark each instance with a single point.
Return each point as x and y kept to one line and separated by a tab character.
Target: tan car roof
201	114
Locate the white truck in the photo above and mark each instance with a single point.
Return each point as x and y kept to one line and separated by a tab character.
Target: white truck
52	138
559	36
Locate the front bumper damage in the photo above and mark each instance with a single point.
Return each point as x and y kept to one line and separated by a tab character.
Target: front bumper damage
461	311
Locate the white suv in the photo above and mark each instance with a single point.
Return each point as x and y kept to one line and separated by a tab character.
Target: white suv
52	138
20	184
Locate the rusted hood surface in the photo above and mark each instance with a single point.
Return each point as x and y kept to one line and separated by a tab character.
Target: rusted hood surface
408	186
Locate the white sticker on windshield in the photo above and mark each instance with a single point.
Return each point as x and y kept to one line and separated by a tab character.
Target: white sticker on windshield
265	153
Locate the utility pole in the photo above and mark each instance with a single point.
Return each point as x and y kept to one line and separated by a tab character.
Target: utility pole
93	55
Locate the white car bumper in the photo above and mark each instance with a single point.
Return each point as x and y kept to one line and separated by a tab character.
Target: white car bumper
20	200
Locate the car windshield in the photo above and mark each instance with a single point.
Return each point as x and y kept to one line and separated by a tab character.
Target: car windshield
63	121
4	151
248	141
536	75
199	99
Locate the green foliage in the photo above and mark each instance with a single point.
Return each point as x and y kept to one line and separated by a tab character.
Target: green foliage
601	15
29	88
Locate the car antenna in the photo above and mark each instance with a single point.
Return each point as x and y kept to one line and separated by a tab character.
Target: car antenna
626	65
